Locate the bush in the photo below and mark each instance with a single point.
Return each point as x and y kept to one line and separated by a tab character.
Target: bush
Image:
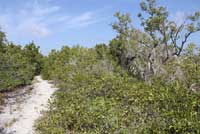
96	98
18	65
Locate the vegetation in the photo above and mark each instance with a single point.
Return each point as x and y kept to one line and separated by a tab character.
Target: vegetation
18	65
142	82
98	96
145	53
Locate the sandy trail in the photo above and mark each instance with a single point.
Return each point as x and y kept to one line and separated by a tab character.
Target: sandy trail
21	111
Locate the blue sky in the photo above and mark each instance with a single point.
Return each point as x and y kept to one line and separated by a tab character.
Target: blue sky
54	23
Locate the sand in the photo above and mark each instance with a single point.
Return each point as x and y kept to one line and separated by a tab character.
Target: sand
21	112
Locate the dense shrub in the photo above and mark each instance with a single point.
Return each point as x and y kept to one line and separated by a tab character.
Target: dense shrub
18	65
97	96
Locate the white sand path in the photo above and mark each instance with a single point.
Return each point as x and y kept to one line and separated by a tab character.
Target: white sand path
19	118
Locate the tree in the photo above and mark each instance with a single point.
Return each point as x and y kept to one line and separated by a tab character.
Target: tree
32	53
167	38
163	31
2	41
18	65
127	48
145	53
123	25
121	46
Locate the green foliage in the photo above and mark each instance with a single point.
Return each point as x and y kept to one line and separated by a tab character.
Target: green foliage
98	96
191	69
144	54
32	53
18	65
97	93
185	69
165	32
123	25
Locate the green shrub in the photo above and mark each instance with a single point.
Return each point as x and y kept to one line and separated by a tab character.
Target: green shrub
18	65
97	96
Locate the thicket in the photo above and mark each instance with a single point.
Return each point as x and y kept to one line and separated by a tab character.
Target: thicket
18	65
142	82
98	96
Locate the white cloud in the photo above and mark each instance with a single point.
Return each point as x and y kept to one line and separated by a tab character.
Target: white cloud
36	19
82	20
38	11
28	21
34	28
83	17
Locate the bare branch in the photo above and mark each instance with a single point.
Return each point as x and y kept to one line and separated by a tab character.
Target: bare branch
180	49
